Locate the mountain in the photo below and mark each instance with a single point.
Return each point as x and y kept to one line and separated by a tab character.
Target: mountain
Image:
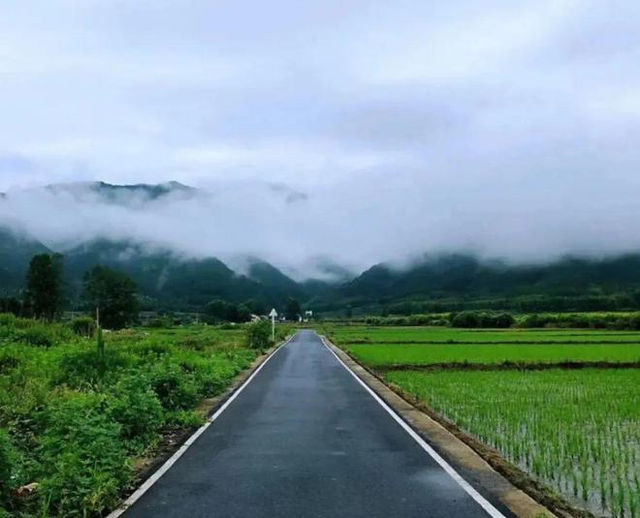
167	278
440	276
462	275
170	280
139	195
458	280
325	269
16	250
125	195
273	279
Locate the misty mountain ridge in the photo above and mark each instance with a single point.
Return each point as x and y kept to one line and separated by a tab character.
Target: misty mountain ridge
169	276
124	195
142	193
16	250
168	280
181	281
464	277
191	221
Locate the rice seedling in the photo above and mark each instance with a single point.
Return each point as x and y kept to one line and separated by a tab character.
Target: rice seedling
577	431
441	335
425	354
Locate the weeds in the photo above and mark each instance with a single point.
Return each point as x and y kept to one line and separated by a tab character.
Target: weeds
74	416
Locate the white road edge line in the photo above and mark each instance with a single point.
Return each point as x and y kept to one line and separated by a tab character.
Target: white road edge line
135	496
480	500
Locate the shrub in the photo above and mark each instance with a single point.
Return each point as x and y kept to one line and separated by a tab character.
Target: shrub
212	377
482	319
138	410
433	319
532	321
633	322
6	466
465	319
40	336
84	461
503	320
8	319
175	388
8	362
153	348
87	369
74	420
583	320
34	332
196	343
84	326
185	419
259	334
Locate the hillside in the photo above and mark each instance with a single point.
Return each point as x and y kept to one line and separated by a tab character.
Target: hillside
127	195
458	280
164	278
170	280
16	250
457	275
168	277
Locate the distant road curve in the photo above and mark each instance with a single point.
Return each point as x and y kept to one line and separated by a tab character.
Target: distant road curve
305	439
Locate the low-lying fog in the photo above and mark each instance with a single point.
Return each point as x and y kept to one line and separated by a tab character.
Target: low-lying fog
361	131
356	222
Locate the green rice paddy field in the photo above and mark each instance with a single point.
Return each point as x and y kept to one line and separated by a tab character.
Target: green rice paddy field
364	334
575	430
423	354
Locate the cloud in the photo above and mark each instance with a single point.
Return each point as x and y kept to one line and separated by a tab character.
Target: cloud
508	129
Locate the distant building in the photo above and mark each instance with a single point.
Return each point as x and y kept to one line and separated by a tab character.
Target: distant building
146	317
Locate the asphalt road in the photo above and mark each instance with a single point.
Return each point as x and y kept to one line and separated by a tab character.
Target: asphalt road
305	439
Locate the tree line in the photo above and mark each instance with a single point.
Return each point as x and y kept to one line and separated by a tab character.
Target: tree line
219	310
621	301
504	320
111	294
112	297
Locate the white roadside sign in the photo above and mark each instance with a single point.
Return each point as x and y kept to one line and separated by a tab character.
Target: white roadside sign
273	316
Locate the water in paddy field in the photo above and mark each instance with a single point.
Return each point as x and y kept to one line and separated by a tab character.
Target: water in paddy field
577	432
606	485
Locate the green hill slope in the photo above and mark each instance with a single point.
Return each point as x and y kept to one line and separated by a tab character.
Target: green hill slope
16	250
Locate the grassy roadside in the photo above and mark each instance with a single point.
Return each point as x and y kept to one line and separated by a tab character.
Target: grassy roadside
72	430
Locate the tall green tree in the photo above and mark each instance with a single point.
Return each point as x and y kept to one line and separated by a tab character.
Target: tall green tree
220	310
44	286
293	309
113	294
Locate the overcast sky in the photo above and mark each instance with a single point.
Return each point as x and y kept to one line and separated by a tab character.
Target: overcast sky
510	128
